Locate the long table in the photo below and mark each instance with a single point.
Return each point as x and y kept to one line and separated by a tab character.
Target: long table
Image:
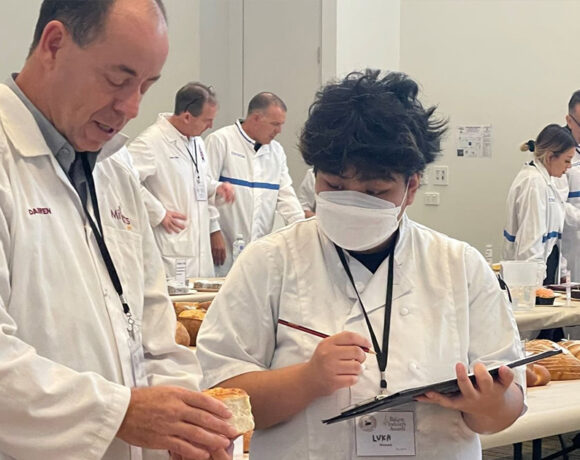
552	409
546	317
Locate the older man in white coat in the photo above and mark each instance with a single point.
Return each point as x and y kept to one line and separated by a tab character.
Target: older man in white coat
172	164
88	363
246	155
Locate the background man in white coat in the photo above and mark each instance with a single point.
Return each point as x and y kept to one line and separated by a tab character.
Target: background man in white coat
306	194
172	164
246	155
88	363
570	183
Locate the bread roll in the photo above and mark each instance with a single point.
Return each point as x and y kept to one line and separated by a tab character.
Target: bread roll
537	375
182	306
238	403
205	305
192	319
564	366
181	335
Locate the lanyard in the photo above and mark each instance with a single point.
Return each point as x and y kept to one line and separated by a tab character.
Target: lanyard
98	232
194	160
382	353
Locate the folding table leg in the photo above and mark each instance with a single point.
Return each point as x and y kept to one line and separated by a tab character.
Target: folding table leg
518	451
537	449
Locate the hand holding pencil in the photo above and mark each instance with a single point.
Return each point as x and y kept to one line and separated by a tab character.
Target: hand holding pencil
336	362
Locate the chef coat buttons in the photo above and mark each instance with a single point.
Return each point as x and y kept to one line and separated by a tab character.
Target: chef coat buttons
413	366
404	311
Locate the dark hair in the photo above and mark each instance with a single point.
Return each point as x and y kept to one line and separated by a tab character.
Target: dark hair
553	138
263	100
192	98
372	123
574	100
84	19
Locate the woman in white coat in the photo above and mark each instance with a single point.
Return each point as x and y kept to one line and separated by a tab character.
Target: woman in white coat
367	276
535	210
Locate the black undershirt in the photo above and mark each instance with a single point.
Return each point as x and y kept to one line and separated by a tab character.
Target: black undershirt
373	260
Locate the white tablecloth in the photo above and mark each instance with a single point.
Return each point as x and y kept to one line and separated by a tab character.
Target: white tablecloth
552	409
193	296
546	317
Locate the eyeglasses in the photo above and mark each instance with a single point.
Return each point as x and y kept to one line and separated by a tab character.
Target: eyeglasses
575	121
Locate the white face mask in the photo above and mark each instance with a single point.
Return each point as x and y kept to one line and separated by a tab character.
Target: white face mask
356	221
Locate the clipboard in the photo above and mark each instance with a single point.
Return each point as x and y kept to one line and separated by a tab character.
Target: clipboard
447	387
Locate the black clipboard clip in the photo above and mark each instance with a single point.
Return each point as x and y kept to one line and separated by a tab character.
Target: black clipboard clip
382	402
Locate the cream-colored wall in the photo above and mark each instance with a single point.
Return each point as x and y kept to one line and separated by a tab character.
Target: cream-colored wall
367	36
508	63
17	20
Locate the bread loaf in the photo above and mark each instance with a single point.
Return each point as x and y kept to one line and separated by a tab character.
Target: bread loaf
238	403
181	335
564	366
537	375
573	346
182	306
192	319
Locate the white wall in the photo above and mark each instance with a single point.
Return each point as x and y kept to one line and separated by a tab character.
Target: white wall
509	63
368	35
17	20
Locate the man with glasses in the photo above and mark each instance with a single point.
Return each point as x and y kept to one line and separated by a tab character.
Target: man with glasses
569	187
172	164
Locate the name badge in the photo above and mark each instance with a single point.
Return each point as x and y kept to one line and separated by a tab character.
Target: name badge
137	359
200	189
385	433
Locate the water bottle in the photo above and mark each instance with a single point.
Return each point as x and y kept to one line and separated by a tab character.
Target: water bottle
238	246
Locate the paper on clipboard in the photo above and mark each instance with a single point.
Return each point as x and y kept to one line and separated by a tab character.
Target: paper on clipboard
382	402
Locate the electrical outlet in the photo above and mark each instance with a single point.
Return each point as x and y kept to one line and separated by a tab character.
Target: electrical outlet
431	198
440	175
424	180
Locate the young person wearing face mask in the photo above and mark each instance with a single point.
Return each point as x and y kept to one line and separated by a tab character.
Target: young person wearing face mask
368	276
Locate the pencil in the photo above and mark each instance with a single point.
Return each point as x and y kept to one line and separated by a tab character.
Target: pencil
316	333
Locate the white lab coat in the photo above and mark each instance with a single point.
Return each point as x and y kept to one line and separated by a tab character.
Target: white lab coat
571	233
168	174
65	367
261	181
447	308
306	194
534	216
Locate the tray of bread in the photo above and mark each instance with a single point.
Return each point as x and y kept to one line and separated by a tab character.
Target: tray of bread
207	284
189	316
565	366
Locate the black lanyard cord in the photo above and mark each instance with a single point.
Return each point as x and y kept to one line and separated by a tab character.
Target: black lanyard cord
194	160
382	352
99	236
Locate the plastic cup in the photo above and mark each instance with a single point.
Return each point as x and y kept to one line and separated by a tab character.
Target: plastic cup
521	278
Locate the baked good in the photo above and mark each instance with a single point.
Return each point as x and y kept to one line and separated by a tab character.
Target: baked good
545	296
238	403
564	366
192	319
204	305
181	335
573	346
537	375
182	306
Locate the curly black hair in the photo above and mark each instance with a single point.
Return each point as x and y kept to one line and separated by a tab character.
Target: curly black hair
372	123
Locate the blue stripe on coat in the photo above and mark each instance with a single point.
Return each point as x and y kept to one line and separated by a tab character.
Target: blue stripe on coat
551	235
245	183
510	238
574	194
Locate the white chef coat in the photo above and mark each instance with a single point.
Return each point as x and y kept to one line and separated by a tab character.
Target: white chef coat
534	216
306	194
570	183
262	185
65	366
168	173
447	308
